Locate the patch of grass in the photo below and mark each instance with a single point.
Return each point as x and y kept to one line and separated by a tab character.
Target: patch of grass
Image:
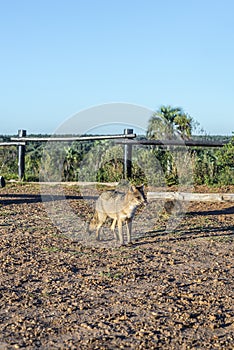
51	249
111	274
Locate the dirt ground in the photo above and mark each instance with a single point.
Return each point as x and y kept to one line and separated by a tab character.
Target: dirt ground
167	290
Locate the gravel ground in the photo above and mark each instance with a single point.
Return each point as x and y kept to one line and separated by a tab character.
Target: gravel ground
167	290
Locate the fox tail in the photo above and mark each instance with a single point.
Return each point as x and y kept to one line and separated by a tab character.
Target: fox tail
93	223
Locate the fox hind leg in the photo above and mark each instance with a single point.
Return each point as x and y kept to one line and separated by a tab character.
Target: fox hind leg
129	230
113	229
101	220
120	229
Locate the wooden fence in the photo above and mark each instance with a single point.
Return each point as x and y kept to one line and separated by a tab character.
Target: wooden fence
127	139
22	139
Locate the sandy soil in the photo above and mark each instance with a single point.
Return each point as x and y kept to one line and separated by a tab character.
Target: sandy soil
168	290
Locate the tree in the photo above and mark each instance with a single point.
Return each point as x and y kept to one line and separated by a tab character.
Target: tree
169	123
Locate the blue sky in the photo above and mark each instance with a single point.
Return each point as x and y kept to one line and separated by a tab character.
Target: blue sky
61	57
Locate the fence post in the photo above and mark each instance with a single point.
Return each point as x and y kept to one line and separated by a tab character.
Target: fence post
127	157
2	181
21	155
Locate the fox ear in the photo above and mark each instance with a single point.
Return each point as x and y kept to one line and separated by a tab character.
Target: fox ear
134	188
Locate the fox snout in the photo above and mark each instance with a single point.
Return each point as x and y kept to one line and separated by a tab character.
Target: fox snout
143	200
139	194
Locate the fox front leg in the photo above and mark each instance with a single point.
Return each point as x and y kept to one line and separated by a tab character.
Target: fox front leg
113	229
129	230
98	232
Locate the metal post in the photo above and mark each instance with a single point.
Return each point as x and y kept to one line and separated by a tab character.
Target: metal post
21	155
127	157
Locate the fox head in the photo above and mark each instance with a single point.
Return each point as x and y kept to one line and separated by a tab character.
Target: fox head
139	196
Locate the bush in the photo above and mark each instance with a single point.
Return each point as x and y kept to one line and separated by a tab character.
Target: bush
215	166
225	164
9	166
102	161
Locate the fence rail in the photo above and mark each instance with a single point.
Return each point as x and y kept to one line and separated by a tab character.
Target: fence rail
189	143
72	138
192	197
7	144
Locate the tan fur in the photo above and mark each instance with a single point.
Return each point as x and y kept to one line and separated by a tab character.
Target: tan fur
120	207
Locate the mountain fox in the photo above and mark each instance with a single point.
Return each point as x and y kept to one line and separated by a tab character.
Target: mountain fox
120	207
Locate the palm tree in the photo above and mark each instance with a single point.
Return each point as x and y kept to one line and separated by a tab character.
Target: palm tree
169	123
